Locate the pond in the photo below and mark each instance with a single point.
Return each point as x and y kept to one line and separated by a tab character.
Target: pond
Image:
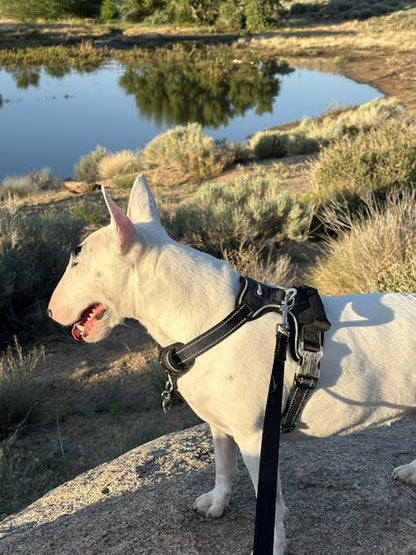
51	118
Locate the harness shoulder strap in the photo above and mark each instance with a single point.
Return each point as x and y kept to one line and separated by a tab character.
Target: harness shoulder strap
308	322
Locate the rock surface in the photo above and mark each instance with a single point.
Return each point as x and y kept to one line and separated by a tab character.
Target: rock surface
339	492
80	187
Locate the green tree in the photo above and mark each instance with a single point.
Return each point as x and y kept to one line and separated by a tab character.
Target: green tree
258	14
108	10
230	16
135	10
82	8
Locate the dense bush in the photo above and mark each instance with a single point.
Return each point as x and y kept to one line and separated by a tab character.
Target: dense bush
252	15
32	9
188	151
373	251
375	161
225	215
33	255
108	10
135	10
230	17
87	168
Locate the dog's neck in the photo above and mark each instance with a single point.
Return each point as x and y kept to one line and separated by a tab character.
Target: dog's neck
179	292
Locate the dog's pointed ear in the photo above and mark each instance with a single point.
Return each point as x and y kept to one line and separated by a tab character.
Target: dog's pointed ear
142	205
121	223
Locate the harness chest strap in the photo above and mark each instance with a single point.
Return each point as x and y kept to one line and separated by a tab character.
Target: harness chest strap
253	300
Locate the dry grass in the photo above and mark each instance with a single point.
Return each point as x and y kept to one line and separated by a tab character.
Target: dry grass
389	33
375	251
31	183
20	391
118	164
262	264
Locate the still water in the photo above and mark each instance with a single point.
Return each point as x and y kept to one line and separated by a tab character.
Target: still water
49	120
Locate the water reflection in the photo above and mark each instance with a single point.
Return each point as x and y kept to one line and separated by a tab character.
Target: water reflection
208	85
209	94
51	116
26	77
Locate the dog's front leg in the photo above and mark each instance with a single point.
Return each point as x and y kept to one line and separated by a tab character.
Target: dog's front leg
215	501
406	473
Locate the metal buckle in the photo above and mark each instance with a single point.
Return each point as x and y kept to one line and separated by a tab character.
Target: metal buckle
305	382
287	304
310	362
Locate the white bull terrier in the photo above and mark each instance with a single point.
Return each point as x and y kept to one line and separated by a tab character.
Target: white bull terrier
133	269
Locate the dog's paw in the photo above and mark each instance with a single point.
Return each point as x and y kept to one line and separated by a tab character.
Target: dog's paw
211	504
406	473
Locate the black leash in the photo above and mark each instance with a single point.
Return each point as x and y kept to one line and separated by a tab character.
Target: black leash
269	457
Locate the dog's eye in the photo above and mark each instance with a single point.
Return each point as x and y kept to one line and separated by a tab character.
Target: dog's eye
74	254
77	250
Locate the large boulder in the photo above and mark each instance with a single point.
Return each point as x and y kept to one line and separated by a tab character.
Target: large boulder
339	492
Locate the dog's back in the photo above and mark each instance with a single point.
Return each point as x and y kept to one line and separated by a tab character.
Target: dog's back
367	371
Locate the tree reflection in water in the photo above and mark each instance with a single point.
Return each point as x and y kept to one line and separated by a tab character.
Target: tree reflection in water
206	85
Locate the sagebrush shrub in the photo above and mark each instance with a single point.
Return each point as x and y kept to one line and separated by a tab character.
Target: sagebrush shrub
87	168
374	250
379	160
188	151
118	163
312	134
222	215
27	184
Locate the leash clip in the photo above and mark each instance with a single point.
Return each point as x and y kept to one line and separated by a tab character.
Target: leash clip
287	304
167	395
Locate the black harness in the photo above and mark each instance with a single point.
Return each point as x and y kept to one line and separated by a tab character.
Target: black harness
302	326
307	322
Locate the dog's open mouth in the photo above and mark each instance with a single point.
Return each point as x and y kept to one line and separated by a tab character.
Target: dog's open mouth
82	328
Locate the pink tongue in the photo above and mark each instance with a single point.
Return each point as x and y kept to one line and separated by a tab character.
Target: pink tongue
76	334
96	311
